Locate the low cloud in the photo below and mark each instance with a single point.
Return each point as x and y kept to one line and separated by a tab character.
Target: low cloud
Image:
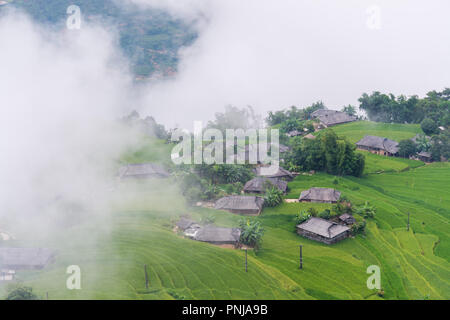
274	54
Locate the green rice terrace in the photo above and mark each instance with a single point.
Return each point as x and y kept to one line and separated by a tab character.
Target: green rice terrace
414	264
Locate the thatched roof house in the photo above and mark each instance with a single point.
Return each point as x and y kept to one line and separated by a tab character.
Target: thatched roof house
260	184
240	204
347	218
378	145
324	195
142	171
280	174
425	156
184	223
329	118
25	258
294	133
322	230
218	235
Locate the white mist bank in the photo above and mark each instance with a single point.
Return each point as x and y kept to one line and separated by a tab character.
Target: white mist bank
60	97
274	54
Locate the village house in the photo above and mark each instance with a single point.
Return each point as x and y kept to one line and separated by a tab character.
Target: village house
260	184
25	258
347	218
188	227
294	133
378	145
280	174
249	205
218	235
329	118
323	231
142	171
323	195
425	156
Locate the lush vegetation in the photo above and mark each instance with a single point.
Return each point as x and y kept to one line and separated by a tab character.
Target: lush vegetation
329	153
388	108
149	38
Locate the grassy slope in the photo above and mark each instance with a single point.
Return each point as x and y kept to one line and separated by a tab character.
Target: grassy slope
413	264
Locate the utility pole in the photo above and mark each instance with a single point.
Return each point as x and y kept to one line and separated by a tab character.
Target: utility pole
46	295
408	222
146	276
245	259
301	257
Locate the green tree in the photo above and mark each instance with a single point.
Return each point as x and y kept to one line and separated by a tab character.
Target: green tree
273	197
302	216
251	233
366	210
350	110
21	293
406	148
429	127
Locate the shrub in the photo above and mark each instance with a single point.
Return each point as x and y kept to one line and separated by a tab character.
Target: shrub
428	126
273	197
302	216
325	214
366	210
406	148
21	293
358	228
251	233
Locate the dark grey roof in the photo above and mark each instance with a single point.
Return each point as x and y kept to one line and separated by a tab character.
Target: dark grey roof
346	217
218	234
259	184
424	154
381	143
281	173
323	227
185	223
320	194
239	203
332	117
142	170
25	258
294	133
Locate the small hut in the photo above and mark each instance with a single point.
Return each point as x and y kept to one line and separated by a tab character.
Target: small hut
378	145
347	218
322	195
142	171
425	156
25	258
329	118
309	136
218	235
323	230
281	174
249	205
260	184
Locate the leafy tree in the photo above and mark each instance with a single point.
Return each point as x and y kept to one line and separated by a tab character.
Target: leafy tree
273	197
423	143
366	210
358	228
21	293
251	233
350	110
325	214
440	146
302	216
406	148
429	126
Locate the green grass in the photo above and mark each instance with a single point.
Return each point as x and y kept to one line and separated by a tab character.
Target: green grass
111	254
377	164
355	131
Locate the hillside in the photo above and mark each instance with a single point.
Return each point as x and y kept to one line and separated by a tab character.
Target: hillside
414	264
149	38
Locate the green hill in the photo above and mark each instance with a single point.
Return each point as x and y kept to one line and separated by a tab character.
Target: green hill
414	264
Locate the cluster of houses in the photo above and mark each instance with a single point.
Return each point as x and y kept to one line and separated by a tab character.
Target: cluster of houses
387	147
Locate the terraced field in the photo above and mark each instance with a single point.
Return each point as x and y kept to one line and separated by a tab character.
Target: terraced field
414	264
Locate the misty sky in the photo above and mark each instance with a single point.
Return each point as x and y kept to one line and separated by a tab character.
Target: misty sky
274	54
